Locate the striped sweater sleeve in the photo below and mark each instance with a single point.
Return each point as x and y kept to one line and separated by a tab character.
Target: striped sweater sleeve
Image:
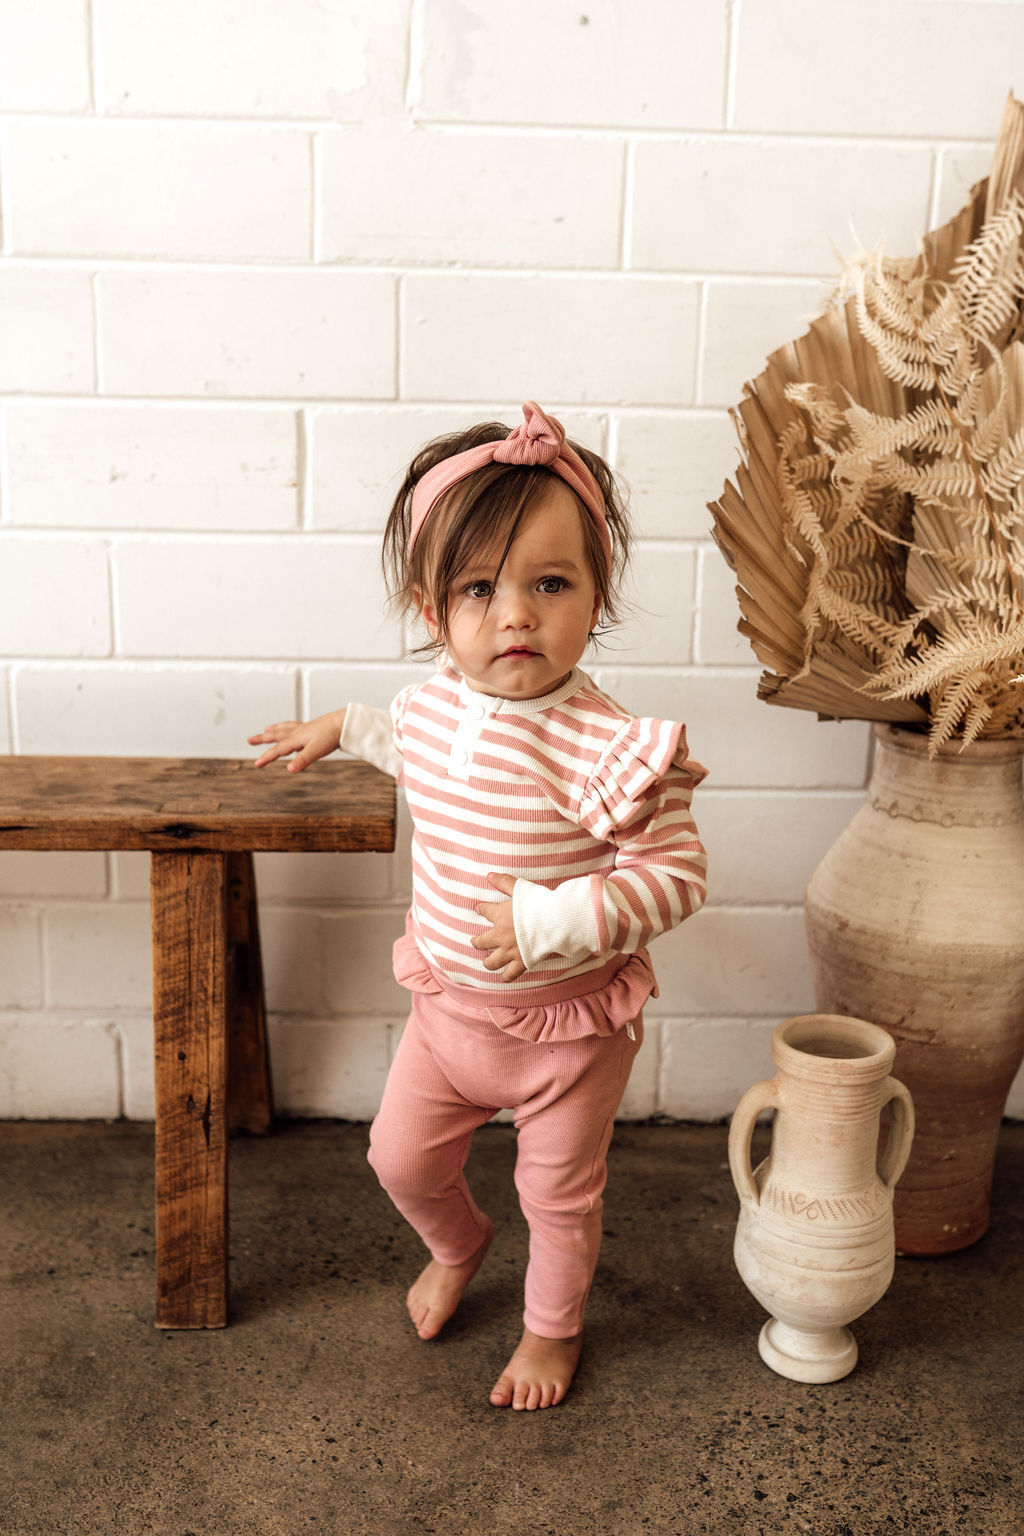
638	800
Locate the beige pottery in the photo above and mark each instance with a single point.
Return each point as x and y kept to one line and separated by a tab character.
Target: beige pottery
915	920
814	1240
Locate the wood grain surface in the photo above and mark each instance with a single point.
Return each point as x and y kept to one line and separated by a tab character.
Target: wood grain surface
189	900
215	804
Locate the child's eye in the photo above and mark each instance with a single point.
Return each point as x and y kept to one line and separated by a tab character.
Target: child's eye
479	589
552	584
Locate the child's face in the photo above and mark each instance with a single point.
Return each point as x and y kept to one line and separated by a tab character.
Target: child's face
526	639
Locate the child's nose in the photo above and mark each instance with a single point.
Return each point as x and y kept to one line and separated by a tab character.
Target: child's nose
517	611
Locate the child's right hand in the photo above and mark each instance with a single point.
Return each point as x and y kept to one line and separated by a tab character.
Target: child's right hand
311	739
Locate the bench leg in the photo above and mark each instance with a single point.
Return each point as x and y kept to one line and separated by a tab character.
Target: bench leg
250	1105
189	909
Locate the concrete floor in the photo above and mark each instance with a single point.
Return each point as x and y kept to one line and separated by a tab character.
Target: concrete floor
317	1409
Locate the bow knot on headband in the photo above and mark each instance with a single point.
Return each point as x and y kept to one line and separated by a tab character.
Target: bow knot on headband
538	440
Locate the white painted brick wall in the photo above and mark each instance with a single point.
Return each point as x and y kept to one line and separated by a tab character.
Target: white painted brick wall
308	598
152	467
890	68
59	1068
206	332
403	195
250	259
658	65
725	202
215	58
227	193
21	983
46	330
588	338
743	322
54	597
44	56
52	874
668	462
147	711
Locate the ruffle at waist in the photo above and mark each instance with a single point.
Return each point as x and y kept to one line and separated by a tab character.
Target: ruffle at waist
615	1001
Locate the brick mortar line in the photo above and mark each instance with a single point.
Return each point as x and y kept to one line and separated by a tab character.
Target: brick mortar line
496	128
93	51
299	535
5	197
98	265
289	404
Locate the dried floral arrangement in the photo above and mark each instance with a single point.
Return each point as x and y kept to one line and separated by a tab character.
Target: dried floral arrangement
876	525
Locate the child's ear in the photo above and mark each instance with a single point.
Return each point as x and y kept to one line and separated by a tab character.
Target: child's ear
427	613
596	614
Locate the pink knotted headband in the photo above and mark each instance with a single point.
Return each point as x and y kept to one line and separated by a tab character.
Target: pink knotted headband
539	440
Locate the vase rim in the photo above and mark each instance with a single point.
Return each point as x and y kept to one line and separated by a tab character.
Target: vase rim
833	1041
906	738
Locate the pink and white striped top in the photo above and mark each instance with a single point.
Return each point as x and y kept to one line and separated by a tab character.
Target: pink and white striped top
587	806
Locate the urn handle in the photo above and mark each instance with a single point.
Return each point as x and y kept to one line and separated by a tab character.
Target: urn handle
901	1131
762	1096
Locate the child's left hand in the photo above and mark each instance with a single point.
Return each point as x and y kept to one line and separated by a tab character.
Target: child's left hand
500	938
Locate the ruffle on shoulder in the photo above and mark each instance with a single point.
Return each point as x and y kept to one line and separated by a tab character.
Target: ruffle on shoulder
638	756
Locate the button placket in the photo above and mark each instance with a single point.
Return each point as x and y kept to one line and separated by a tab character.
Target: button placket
464	740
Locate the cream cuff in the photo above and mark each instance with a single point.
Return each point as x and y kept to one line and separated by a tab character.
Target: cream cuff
558	922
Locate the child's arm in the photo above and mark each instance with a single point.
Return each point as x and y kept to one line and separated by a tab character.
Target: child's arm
311	739
660	874
357	729
658	880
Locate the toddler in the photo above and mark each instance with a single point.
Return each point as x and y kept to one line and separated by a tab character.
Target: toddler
552	839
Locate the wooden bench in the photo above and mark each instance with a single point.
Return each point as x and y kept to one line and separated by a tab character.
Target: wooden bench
201	819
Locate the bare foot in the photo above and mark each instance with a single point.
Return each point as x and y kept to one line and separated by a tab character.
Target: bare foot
539	1373
436	1293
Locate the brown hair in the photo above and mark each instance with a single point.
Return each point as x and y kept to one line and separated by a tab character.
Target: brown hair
485	508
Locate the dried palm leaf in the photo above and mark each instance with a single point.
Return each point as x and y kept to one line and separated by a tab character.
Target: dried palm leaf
876	525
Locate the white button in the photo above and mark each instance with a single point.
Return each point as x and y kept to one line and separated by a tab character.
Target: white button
460	755
475	711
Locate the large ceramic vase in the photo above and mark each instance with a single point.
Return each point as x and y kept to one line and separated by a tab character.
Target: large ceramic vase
915	920
814	1240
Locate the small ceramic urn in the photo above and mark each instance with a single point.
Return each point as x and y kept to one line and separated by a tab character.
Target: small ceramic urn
814	1242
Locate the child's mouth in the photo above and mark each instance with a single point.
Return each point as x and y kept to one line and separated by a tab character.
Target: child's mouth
517	650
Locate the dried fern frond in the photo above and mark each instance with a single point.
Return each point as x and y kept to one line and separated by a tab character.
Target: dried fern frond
894	334
962	701
973	648
990	274
927	429
877	526
1002	473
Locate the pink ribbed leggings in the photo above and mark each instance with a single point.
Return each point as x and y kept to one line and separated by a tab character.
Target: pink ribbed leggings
452	1072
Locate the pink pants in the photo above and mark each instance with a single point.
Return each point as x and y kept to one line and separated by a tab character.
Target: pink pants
452	1072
